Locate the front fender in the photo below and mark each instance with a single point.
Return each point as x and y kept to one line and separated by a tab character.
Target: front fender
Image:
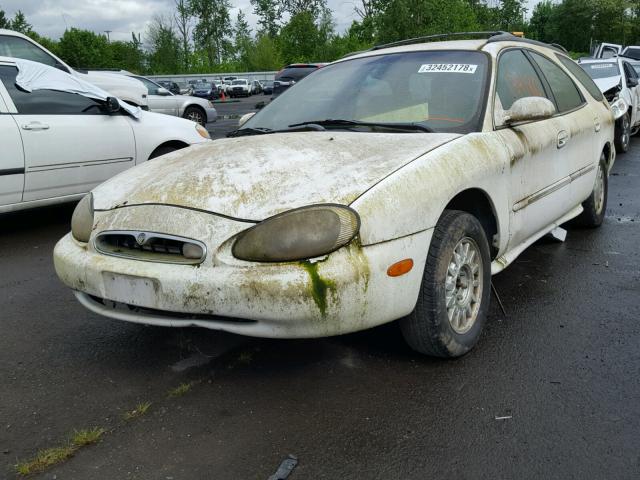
413	198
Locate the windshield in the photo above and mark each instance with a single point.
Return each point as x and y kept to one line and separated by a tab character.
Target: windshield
601	70
202	86
442	90
632	52
239	82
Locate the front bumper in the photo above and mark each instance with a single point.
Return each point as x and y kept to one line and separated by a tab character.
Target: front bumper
212	114
343	292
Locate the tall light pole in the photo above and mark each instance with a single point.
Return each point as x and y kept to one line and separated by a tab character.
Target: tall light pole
108	32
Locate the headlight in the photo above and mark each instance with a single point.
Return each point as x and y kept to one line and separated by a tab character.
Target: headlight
203	132
82	219
618	108
299	234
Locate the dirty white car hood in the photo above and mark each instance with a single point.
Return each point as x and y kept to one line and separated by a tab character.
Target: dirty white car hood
254	177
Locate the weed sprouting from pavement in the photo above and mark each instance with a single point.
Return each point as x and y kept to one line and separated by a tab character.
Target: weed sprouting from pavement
87	436
139	411
180	390
45	459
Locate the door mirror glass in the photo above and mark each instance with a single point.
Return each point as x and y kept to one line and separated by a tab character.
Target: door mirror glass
527	109
112	105
162	91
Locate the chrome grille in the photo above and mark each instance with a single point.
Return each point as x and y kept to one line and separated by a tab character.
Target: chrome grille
151	247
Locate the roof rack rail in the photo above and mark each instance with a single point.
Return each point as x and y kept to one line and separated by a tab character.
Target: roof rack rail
438	36
557	45
508	37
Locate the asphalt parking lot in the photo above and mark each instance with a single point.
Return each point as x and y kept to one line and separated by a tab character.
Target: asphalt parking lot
551	391
230	111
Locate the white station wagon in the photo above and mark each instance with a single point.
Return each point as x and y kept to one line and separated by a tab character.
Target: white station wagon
388	185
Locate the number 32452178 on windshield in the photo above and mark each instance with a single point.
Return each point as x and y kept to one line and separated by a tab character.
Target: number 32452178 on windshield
447	68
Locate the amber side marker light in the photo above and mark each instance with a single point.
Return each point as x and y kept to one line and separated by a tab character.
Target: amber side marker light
400	268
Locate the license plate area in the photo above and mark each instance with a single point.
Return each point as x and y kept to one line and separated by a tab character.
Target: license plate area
139	291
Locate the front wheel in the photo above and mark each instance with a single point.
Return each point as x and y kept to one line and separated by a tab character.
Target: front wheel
454	296
595	206
195	114
623	133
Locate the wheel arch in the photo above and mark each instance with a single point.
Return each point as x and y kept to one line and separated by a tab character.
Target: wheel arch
607	154
176	144
478	203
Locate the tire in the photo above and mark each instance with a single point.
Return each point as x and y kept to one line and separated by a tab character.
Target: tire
196	114
429	329
623	133
596	205
162	150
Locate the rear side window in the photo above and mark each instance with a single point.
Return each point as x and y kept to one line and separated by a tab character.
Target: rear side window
517	79
47	102
16	47
295	73
564	90
577	71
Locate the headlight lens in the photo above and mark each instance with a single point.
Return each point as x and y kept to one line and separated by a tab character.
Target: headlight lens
202	131
299	234
82	219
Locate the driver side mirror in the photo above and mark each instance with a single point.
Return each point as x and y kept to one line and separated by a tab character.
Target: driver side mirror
528	109
163	91
112	105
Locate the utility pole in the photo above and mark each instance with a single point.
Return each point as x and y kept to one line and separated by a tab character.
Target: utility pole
108	32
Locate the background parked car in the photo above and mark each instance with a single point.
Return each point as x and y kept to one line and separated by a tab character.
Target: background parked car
57	145
173	87
16	45
267	87
618	81
185	88
240	88
257	87
205	90
291	74
161	100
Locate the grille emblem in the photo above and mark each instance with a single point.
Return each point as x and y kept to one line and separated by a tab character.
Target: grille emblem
141	238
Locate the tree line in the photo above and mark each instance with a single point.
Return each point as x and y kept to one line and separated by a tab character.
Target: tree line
200	36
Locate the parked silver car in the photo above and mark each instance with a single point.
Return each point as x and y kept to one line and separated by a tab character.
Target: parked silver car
161	100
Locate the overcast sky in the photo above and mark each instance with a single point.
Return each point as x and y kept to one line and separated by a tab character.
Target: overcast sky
51	17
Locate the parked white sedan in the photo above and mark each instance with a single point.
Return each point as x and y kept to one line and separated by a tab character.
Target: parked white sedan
388	185
618	81
161	100
59	144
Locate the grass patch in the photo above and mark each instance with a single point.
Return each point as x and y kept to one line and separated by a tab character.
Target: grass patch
45	459
87	437
180	390
245	357
139	411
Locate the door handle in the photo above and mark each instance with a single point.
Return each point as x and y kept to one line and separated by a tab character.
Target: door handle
596	125
35	126
563	138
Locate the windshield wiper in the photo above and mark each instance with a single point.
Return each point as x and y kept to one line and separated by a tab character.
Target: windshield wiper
241	132
263	130
414	127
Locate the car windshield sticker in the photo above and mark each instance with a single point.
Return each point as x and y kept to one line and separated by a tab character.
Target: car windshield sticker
604	66
447	68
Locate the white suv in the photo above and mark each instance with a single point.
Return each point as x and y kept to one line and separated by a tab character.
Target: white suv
16	45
